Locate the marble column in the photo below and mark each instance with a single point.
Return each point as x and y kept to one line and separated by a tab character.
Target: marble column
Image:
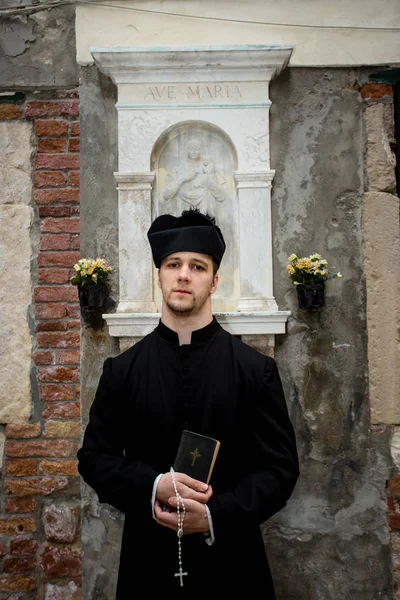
256	276
134	211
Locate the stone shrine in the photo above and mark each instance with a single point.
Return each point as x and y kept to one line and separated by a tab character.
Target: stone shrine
193	129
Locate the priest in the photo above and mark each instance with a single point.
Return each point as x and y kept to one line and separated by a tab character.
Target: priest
182	536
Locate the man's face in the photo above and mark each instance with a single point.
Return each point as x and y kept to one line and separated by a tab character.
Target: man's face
186	281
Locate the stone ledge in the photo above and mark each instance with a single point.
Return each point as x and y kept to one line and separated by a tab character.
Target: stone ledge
237	323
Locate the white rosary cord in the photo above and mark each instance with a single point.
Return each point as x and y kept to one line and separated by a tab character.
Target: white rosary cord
181	517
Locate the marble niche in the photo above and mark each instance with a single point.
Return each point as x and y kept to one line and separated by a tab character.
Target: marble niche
194	165
193	131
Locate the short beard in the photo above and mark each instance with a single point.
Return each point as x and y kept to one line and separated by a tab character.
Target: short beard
180	310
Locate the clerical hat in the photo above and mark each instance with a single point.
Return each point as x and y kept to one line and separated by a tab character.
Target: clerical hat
192	231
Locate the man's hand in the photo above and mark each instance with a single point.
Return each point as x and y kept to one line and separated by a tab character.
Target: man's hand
196	520
188	488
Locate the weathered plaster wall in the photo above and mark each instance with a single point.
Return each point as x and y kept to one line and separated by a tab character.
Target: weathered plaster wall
332	536
101	524
322	32
37	50
331	542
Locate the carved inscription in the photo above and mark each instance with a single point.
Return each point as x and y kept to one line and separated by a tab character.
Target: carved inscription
217	91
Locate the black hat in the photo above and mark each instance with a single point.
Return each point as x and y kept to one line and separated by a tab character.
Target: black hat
192	231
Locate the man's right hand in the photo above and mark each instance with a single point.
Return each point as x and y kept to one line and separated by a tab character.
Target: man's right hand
187	487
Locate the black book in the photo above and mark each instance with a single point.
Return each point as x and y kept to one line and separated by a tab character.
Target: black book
196	455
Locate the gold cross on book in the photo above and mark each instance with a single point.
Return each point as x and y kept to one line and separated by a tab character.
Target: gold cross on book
195	455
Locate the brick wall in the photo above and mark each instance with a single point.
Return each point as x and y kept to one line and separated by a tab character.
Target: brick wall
40	554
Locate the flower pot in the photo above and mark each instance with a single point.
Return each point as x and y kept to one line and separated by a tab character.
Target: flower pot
93	296
311	295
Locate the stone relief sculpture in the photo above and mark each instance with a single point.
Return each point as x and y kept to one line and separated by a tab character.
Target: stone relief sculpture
197	183
194	166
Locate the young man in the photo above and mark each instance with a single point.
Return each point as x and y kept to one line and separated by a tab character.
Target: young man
189	373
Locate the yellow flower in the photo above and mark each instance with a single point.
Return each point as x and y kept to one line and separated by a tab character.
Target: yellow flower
292	257
77	267
339	275
83	272
94	277
90	270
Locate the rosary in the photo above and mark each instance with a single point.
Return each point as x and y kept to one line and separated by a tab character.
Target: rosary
181	517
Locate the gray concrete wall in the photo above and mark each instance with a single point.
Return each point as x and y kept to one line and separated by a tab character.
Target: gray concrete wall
331	541
37	50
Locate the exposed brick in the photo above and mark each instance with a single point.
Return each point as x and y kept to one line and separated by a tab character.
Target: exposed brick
53	275
10	112
59	467
75	128
19	565
63	429
51	326
58	374
74	324
69	339
74	178
55	293
78	392
49	179
43	357
13	584
54	211
69	357
75	242
68	410
375	91
60	523
394	521
50	311
20	504
394	486
41	448
61	562
58	259
55	393
75	210
55	241
71	225
57	161
38	108
73	145
56	195
17	525
51	128
35	485
20	467
74	311
52	145
23	546
17	430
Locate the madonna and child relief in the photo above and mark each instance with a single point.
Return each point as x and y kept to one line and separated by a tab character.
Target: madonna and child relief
194	168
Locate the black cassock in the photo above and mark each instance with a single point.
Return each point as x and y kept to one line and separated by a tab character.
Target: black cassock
217	386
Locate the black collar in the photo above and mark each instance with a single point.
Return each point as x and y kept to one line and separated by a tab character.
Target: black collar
198	336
